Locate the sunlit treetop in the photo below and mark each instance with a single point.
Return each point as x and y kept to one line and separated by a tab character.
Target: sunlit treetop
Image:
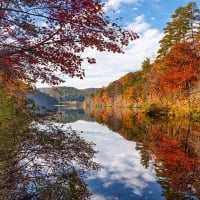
41	38
184	26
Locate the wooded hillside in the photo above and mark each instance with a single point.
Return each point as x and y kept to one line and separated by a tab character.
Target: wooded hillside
63	94
172	79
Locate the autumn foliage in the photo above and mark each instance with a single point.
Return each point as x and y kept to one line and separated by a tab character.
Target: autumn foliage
179	70
172	77
40	39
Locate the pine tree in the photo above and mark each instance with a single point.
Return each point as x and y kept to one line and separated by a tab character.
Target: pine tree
183	26
146	66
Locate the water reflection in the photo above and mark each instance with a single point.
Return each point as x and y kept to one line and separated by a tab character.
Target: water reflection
171	147
156	160
65	115
39	160
122	175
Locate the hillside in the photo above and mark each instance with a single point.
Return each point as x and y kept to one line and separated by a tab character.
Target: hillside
171	81
43	102
64	94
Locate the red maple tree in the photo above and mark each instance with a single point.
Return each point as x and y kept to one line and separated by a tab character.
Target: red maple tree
179	69
40	38
182	64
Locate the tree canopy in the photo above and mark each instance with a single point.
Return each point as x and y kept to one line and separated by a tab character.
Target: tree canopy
41	38
184	26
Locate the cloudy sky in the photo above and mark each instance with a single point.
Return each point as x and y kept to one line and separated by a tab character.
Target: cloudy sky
147	18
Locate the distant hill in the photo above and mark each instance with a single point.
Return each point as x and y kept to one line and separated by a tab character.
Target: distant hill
63	94
43	102
89	91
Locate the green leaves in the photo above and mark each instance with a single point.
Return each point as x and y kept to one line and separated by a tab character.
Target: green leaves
182	27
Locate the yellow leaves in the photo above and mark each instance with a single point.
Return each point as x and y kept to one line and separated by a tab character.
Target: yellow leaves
13	87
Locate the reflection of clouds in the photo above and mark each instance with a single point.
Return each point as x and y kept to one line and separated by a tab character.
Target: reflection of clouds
119	159
88	127
102	197
121	164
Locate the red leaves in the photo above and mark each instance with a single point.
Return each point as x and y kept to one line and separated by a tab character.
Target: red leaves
47	36
2	14
91	60
180	67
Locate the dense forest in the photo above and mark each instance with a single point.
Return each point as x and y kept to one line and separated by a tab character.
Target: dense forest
172	79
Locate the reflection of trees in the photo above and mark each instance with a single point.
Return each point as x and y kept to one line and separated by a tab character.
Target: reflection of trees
124	123
176	164
40	161
170	145
65	115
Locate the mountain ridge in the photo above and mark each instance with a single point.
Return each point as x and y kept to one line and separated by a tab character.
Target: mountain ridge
64	93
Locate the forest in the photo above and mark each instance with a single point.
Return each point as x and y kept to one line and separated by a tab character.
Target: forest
168	83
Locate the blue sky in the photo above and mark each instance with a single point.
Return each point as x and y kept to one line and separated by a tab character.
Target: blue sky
156	12
147	18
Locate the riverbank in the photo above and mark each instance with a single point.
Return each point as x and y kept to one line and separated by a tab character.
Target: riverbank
152	109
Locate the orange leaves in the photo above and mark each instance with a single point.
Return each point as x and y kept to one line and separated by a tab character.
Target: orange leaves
129	92
178	70
182	55
181	64
13	87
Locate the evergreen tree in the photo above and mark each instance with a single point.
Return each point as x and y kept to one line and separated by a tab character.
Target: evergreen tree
183	26
146	66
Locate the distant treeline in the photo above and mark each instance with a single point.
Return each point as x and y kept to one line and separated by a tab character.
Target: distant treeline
63	94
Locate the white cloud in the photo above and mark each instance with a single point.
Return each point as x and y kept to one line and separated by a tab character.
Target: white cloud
139	25
115	4
110	67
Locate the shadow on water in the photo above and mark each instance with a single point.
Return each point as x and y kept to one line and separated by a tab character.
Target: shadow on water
39	160
171	145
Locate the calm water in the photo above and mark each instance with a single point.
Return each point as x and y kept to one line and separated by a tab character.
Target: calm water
102	154
122	176
142	158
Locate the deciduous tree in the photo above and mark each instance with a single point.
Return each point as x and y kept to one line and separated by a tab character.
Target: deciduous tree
182	66
41	38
